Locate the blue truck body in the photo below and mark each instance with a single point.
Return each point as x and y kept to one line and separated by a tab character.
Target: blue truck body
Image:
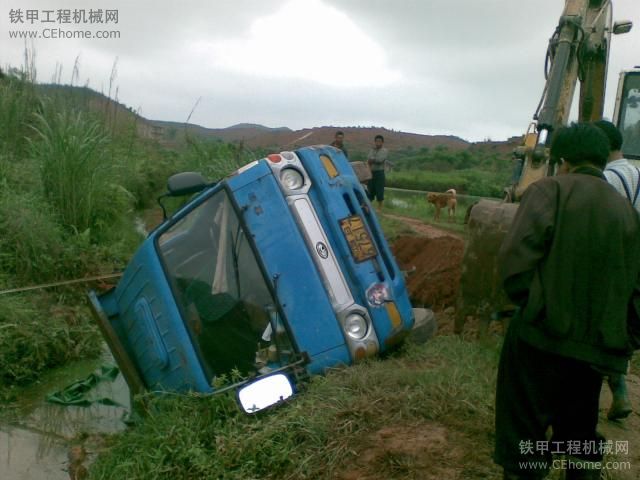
284	257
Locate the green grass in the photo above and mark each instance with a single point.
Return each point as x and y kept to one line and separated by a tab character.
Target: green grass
77	178
18	102
468	182
65	213
325	428
415	205
38	333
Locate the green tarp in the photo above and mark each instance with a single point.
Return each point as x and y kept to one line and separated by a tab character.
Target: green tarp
78	393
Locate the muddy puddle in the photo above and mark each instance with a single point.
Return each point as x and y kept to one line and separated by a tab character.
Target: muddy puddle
37	437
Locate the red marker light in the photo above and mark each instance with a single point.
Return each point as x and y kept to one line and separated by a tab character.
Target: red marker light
274	158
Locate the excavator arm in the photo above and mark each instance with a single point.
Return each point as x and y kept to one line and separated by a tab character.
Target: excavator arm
577	52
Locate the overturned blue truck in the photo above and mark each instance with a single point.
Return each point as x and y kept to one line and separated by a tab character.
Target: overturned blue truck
281	264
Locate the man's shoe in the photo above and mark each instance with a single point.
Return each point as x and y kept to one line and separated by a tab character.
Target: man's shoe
620	408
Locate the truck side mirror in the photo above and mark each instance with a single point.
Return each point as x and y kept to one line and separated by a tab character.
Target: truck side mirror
623	26
181	184
264	393
185	183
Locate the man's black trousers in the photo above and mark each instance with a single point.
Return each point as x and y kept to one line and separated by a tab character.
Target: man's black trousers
537	390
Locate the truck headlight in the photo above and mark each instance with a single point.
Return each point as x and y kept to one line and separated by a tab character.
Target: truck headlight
356	326
378	294
291	178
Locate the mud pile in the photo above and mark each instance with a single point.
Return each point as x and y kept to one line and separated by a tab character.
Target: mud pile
435	265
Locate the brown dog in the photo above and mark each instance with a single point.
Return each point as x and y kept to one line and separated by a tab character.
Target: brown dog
442	200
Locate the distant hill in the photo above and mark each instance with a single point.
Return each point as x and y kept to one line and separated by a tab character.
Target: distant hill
358	140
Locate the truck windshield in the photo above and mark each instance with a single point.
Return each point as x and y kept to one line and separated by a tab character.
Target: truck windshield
629	121
220	288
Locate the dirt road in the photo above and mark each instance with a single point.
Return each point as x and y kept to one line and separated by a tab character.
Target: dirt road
422	228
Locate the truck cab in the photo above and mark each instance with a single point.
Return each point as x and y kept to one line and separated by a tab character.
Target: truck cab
282	260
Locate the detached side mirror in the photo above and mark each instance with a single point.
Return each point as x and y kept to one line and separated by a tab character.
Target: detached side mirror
621	27
185	183
264	393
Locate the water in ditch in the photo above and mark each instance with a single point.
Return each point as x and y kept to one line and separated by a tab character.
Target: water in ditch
40	440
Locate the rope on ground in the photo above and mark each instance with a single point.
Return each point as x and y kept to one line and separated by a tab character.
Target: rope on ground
61	283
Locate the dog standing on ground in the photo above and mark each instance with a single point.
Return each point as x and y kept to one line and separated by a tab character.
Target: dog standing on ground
442	200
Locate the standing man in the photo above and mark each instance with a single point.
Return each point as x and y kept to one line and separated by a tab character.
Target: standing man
619	171
338	142
377	160
626	179
571	262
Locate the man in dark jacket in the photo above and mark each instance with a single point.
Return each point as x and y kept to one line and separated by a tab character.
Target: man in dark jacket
338	142
571	262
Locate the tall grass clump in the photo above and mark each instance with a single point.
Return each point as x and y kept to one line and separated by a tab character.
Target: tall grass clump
77	177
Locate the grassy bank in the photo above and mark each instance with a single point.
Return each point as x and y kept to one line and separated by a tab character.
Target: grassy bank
415	205
74	173
437	396
469	182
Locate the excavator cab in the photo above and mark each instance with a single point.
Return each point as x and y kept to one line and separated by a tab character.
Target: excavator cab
627	112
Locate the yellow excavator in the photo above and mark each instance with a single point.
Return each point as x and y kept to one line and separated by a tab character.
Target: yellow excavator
578	52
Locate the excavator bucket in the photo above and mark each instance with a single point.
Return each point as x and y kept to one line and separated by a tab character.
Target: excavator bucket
481	292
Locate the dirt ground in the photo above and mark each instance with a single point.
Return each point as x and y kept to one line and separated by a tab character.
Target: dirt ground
432	260
437	256
426	451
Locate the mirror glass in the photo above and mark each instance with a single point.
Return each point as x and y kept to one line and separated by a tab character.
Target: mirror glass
264	393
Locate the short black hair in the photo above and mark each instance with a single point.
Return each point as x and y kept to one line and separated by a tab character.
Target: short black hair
612	133
339	132
378	137
580	144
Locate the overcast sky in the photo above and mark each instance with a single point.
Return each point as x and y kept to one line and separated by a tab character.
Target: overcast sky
470	68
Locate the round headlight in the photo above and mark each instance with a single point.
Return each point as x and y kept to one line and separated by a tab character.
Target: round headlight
377	294
356	326
291	178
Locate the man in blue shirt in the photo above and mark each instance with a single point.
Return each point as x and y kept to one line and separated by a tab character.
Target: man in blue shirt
625	178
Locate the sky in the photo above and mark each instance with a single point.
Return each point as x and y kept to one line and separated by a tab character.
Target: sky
468	68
